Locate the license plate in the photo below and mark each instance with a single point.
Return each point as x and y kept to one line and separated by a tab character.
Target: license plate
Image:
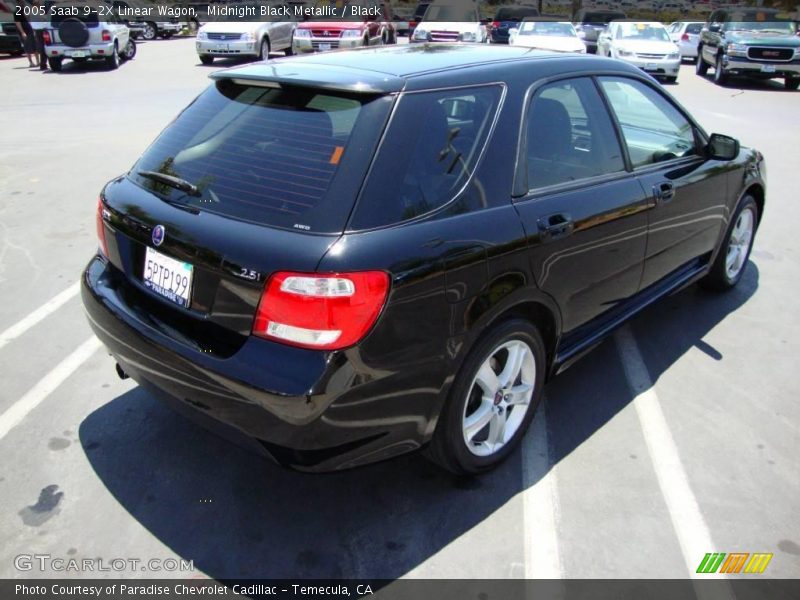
651	66
78	54
767	68
168	277
222	47
324	46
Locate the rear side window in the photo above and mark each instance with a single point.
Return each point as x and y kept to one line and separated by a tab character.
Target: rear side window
570	135
654	130
431	148
269	155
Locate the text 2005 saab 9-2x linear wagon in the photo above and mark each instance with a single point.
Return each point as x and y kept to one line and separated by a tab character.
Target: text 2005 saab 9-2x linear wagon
353	255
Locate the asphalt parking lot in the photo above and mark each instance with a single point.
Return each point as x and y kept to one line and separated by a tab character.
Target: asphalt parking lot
677	437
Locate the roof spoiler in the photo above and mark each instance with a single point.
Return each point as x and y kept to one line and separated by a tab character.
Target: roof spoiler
276	73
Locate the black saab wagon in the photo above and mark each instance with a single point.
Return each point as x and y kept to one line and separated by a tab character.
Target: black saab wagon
352	255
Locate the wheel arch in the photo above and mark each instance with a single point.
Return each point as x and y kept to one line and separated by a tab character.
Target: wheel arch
756	190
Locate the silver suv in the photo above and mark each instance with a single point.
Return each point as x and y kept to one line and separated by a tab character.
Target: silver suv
85	32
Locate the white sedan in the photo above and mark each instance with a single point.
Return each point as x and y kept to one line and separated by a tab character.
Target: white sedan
231	37
646	45
557	36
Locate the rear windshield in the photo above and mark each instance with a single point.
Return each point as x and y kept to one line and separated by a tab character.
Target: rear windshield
515	13
433	144
285	157
694	28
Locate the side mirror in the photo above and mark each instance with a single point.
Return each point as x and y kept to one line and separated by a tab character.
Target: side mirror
722	147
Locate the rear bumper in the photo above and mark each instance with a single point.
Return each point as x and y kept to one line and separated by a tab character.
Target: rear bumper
90	51
309	410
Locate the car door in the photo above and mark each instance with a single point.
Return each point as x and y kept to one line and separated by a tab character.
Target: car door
583	212
712	36
687	192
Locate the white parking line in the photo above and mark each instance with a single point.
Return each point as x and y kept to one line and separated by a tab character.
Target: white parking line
33	397
540	503
40	313
693	534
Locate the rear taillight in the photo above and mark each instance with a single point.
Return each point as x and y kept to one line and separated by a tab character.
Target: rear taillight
46	37
328	311
106	36
495	24
685	37
101	228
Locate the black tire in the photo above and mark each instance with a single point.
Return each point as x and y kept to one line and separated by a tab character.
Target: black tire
263	49
166	35
718	278
150	31
365	41
73	32
449	448
701	66
791	83
55	64
206	60
720	77
289	51
112	62
130	50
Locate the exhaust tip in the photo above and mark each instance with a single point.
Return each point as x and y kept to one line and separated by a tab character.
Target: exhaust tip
120	373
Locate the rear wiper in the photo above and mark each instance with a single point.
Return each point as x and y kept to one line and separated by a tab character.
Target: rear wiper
174	182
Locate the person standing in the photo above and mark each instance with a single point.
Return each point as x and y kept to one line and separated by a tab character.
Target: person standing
39	24
26	34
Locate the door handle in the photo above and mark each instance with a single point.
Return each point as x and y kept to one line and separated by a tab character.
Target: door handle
663	192
555	226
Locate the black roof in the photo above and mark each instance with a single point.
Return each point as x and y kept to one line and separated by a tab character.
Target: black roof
390	68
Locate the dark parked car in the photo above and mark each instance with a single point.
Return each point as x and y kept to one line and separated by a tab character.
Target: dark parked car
590	24
9	36
353	255
506	18
752	43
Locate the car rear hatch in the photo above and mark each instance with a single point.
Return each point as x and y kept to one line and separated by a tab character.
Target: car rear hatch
252	178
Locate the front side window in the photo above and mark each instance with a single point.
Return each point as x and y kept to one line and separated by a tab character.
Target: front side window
430	150
570	135
654	130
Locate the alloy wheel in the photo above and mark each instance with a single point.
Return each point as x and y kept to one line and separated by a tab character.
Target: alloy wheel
739	243
499	398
